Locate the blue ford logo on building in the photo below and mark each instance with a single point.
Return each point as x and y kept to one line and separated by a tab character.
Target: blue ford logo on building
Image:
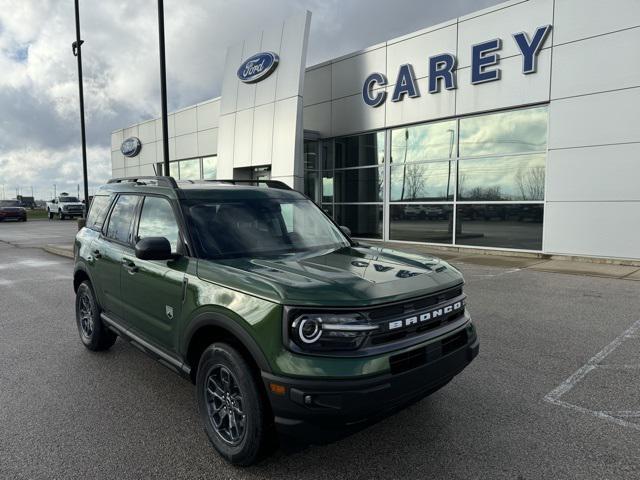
131	147
258	67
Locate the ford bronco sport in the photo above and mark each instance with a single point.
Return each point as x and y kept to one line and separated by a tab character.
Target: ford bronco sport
253	293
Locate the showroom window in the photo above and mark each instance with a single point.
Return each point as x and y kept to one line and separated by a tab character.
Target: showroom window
351	182
483	174
193	168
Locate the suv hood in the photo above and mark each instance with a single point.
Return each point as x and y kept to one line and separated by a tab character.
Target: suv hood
351	276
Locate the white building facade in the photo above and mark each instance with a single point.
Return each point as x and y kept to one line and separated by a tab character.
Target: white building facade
509	128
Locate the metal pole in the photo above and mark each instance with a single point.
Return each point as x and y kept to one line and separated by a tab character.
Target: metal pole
163	90
77	51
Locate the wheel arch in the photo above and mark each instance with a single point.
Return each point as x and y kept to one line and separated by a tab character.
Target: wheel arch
209	327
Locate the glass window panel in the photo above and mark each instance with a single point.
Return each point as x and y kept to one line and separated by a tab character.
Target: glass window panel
190	169
210	168
157	220
359	185
502	226
515	131
359	151
421	223
121	216
502	178
327	186
310	185
311	149
424	142
363	220
423	181
98	211
328	209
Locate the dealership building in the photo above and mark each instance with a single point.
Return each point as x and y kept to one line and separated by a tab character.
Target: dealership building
511	128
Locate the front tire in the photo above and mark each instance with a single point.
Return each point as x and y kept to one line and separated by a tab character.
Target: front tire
231	405
94	334
50	214
60	215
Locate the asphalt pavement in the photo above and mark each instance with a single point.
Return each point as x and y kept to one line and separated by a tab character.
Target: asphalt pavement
553	393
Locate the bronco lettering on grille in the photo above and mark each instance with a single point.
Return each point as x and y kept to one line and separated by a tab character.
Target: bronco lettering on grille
423	317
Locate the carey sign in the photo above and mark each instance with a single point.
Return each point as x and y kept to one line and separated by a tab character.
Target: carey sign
258	67
442	68
131	147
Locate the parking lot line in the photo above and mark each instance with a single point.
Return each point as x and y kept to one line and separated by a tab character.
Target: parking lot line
593	363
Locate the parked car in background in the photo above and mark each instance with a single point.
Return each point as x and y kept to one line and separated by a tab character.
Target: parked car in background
65	206
27	202
11	210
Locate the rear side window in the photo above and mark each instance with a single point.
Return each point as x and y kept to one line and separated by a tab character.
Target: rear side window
121	217
98	212
157	220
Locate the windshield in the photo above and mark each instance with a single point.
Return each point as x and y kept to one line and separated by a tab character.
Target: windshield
9	203
261	227
68	199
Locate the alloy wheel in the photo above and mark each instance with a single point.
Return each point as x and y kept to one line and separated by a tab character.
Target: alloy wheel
225	405
86	316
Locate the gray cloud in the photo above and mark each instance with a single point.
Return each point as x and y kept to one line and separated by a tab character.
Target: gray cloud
39	126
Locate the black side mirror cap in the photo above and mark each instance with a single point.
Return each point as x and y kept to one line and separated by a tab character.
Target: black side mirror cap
346	230
153	248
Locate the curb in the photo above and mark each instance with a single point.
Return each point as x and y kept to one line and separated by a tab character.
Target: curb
62	252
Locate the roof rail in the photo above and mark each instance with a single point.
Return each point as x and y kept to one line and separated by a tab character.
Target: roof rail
160	181
269	183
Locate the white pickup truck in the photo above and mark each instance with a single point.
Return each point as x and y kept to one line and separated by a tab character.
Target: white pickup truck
65	206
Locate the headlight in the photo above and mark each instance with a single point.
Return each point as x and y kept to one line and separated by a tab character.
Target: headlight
317	332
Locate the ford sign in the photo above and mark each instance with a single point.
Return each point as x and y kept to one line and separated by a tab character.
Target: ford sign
131	147
258	67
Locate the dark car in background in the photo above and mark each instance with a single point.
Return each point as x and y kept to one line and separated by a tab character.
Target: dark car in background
11	210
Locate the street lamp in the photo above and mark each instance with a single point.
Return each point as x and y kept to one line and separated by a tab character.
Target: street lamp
77	52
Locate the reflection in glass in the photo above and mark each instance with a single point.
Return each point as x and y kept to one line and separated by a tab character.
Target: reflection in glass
421	223
364	221
516	131
157	220
328	209
359	185
502	178
121	216
210	168
327	186
190	169
310	181
433	181
360	150
311	155
499	225
424	142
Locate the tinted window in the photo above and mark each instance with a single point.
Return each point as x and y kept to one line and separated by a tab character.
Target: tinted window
423	181
98	212
157	220
424	142
359	185
359	151
210	168
500	225
516	131
421	223
363	220
121	216
68	199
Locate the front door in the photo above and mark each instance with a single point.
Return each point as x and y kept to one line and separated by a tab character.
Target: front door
152	289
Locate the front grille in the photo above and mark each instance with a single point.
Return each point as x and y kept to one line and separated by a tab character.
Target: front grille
415	304
406	361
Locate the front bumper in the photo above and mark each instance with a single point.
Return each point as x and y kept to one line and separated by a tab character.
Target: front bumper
320	410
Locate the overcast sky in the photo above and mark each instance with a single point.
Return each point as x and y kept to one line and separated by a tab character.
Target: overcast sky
39	126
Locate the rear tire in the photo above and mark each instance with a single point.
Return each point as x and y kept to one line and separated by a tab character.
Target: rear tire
229	396
94	334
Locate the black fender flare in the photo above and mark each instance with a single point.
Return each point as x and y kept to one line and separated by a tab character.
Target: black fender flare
81	268
215	319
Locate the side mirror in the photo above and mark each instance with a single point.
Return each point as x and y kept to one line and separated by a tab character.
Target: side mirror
346	230
153	248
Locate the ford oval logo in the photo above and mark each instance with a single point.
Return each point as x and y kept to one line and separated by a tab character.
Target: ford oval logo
131	147
258	67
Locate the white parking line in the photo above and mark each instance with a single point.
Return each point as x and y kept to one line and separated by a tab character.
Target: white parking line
593	363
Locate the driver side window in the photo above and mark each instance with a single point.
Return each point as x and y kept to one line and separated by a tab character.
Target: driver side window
157	220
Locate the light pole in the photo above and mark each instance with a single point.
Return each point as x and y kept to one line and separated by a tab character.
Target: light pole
163	89
77	52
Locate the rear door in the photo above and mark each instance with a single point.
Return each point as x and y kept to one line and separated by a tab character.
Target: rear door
110	248
152	290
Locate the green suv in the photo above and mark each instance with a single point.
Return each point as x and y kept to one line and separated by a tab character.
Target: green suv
252	292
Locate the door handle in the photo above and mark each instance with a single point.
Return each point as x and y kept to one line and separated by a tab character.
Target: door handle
129	266
97	254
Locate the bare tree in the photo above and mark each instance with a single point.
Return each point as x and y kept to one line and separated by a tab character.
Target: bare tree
531	183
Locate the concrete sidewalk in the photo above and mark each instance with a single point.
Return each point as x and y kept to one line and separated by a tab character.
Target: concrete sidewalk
508	260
